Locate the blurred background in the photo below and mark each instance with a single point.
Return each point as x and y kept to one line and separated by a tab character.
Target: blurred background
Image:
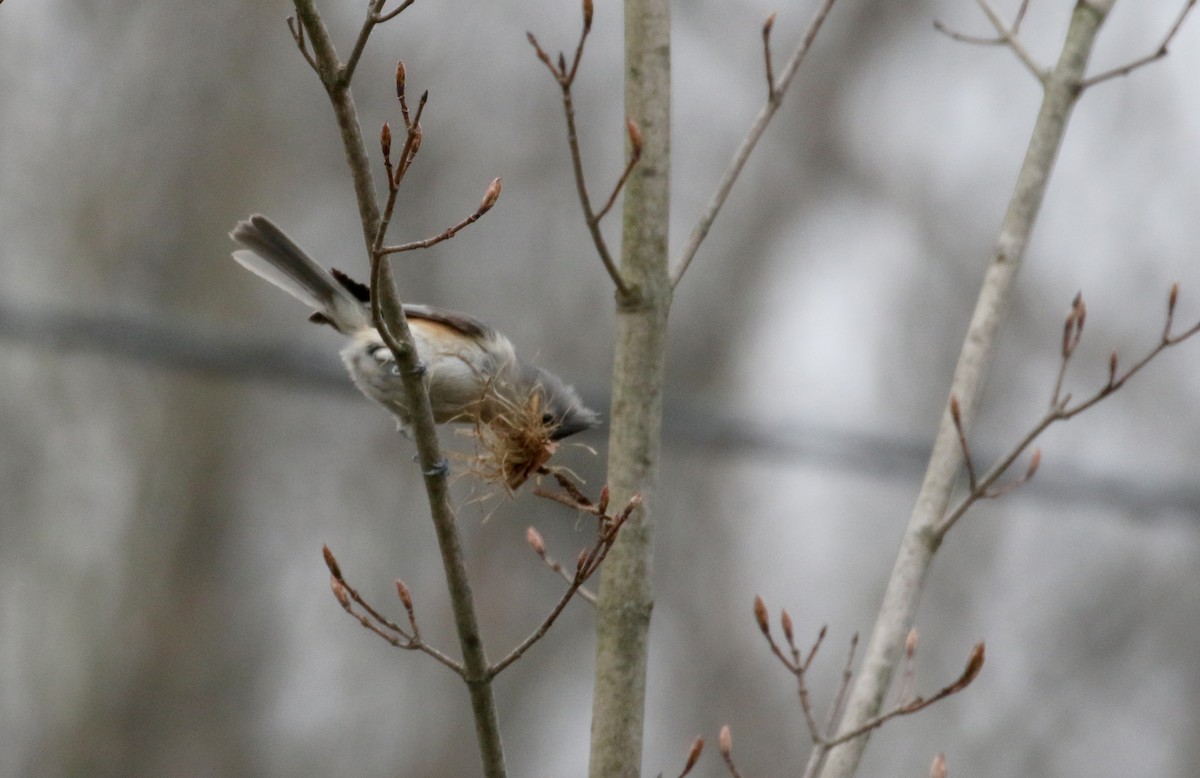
178	443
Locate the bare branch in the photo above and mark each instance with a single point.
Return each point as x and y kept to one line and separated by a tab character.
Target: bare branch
979	40
565	78
962	37
1158	54
1061	408
388	316
770	70
387	17
1009	36
920	542
536	543
956	416
376	622
635	153
588	562
969	674
835	710
485	205
347	71
297	31
730	176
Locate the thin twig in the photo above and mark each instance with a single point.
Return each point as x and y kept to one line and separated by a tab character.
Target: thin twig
381	18
1009	36
770	69
1158	54
969	674
565	78
534	538
376	622
835	710
1061	409
635	154
588	564
968	460
297	31
979	40
347	70
730	176
485	205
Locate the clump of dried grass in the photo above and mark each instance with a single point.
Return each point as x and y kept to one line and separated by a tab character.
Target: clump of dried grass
513	443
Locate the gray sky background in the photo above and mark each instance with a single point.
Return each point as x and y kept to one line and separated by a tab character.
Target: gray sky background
178	443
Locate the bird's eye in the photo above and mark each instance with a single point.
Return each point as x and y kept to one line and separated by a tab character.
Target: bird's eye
547	419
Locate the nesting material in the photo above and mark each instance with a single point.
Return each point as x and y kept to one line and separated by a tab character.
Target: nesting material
513	444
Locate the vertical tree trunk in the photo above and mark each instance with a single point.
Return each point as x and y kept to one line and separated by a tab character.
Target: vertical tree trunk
625	598
898	611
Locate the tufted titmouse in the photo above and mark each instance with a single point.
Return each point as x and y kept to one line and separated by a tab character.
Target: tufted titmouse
472	372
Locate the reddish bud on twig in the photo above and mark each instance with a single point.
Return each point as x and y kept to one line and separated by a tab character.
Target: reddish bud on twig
1073	325
1112	369
1172	298
635	138
399	80
405	595
602	506
580	561
760	615
693	756
490	196
587	16
630	507
768	24
955	411
910	643
339	591
974	665
938	768
1034	461
534	539
725	741
785	621
385	140
331	562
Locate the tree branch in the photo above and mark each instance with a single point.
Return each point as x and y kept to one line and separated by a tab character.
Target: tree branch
388	315
1061	409
886	646
730	176
1158	54
566	78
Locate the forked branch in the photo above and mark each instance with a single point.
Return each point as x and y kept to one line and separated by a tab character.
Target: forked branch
586	564
317	47
775	92
1158	53
1061	407
408	638
564	75
796	663
1009	36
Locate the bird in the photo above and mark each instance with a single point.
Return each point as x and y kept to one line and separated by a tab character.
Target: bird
471	370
